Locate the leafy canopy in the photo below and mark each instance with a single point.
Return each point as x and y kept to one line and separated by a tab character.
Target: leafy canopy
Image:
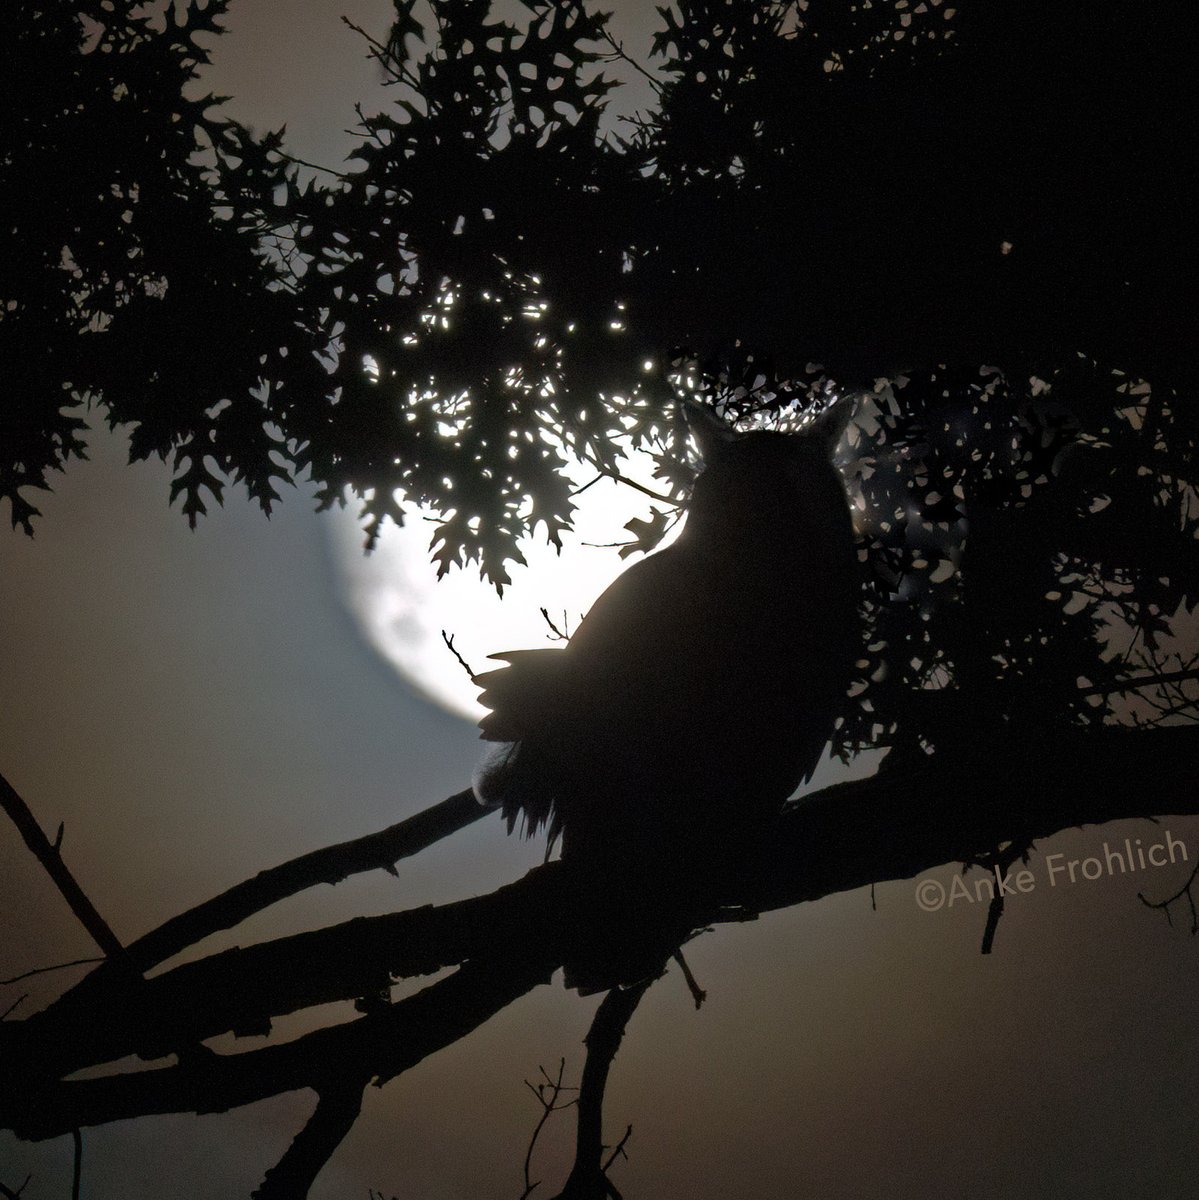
976	215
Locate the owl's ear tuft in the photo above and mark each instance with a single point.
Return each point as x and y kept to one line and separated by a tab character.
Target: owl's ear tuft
827	428
711	432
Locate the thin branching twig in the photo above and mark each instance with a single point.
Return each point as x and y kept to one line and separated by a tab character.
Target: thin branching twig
76	962
547	1094
449	644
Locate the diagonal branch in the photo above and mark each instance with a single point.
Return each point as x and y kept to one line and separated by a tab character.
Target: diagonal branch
241	989
1133	683
47	853
337	1108
331	864
378	1046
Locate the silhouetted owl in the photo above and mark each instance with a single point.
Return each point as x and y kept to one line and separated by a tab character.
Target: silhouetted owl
703	685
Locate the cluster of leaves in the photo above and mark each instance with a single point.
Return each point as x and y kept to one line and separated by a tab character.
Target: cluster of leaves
509	278
472	340
1032	545
138	268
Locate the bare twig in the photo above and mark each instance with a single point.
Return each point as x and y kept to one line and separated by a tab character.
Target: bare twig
14	1193
77	962
697	993
14	1006
618	54
449	644
47	854
77	1168
997	863
580	490
303	162
559	635
385	56
553	1088
618	1149
994	912
1186	891
613	473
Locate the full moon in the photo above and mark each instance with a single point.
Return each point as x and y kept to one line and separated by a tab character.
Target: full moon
404	609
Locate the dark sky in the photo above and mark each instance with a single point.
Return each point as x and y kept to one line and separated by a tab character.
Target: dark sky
196	706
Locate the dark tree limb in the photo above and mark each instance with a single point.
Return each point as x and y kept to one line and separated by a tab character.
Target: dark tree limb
897	824
239	990
337	1108
910	818
76	1163
331	864
588	1179
994	912
378	1046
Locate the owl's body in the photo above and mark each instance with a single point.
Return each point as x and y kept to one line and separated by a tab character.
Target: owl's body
703	685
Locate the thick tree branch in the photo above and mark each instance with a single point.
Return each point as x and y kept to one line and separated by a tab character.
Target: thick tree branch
75	1011
331	864
337	1108
587	1179
239	990
903	821
378	1046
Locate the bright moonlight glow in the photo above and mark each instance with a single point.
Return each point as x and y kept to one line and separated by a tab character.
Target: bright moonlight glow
402	607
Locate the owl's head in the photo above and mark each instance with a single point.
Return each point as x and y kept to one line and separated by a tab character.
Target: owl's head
771	484
719	442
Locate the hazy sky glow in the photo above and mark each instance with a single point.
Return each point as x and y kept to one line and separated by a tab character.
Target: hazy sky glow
196	707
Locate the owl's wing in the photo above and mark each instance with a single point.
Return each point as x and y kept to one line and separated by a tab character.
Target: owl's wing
524	694
625	644
580	715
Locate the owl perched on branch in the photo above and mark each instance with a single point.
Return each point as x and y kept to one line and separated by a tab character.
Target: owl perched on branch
703	685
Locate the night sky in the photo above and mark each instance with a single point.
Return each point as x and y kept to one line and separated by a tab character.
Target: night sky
198	706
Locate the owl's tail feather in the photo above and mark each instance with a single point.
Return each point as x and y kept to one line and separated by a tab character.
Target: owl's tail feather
492	776
508	778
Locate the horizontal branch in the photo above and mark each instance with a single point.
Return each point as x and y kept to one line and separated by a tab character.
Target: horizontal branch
950	808
907	819
377	1046
241	989
1135	682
